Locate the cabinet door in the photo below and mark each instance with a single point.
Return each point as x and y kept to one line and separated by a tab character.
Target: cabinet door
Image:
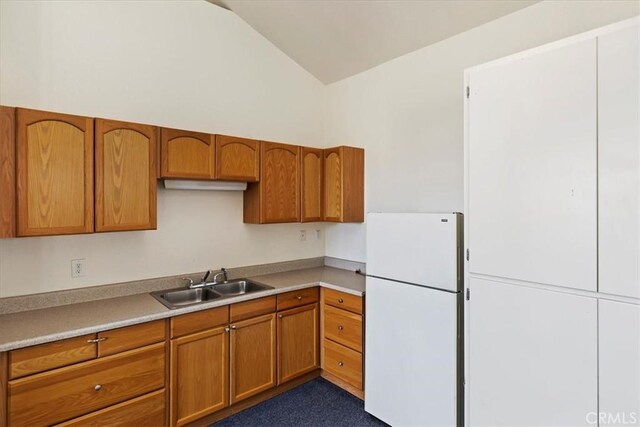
279	183
237	159
125	176
187	154
532	168
344	184
532	356
54	173
199	375
619	360
332	185
311	184
298	342
7	172
619	162
253	356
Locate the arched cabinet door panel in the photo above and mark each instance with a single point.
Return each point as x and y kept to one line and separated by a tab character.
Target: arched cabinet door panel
343	184
237	159
125	176
311	165
186	154
54	173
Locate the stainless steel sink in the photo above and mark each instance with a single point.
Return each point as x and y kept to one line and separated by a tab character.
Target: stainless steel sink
239	287
182	297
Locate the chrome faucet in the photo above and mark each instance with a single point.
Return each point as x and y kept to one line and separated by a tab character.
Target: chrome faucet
222	271
203	282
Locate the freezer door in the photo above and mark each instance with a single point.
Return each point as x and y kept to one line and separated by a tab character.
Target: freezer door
411	354
421	248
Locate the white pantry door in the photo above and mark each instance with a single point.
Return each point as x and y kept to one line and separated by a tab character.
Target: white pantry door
619	361
619	162
532	356
533	168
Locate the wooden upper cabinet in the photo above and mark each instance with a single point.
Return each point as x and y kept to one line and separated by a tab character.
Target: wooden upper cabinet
276	198
186	154
237	159
125	176
7	172
311	160
54	173
344	184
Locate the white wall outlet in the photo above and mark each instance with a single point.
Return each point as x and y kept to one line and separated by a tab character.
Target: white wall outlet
303	235
318	235
77	268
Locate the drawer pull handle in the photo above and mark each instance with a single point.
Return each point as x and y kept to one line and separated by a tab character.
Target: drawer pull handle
299	298
340	300
340	364
98	387
97	340
340	327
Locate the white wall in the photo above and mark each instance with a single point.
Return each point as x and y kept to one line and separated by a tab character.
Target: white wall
185	64
408	113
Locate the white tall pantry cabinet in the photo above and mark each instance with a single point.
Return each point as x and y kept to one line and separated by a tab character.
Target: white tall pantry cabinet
553	231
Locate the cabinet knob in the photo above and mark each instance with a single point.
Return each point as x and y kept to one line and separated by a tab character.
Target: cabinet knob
340	300
97	340
226	329
97	387
234	327
340	364
299	298
340	327
279	316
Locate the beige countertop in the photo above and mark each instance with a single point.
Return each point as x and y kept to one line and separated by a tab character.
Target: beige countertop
33	327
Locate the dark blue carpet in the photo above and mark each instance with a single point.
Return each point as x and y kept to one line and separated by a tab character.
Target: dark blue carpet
316	403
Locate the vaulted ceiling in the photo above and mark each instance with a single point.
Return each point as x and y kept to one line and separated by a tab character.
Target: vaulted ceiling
335	39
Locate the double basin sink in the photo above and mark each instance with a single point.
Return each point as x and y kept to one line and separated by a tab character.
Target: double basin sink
181	297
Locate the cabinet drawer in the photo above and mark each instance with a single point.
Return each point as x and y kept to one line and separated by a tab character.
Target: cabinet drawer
65	393
253	308
40	358
297	298
143	411
343	327
123	339
343	362
199	321
343	300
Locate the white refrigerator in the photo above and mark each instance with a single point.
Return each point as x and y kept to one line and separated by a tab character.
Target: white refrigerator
414	325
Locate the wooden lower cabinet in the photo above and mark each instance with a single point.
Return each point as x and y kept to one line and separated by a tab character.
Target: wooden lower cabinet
199	375
252	356
143	411
298	342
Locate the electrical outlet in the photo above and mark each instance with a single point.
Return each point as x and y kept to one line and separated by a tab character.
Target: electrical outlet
77	268
303	235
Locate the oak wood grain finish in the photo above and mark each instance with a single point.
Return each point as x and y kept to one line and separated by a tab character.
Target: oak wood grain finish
343	327
254	400
122	339
253	308
343	362
199	321
44	357
298	342
199	375
125	176
311	170
344	184
237	159
276	198
4	371
253	356
143	411
357	392
54	163
7	172
65	393
186	154
343	300
297	298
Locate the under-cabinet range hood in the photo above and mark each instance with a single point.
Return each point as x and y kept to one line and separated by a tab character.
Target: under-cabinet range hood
176	184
